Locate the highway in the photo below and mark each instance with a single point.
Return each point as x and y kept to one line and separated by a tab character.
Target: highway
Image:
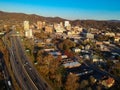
6	75
21	75
25	73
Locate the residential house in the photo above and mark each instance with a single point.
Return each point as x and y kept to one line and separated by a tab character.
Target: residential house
76	50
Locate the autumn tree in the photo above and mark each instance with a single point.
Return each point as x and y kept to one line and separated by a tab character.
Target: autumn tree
92	80
84	84
72	82
66	44
68	53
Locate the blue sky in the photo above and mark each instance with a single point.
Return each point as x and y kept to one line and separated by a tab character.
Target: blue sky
69	9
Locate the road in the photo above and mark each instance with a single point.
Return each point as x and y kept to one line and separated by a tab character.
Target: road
25	73
6	75
21	75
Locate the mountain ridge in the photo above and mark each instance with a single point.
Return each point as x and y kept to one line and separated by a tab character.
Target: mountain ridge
20	17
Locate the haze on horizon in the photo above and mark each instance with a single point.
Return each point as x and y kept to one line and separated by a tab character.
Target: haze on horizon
72	9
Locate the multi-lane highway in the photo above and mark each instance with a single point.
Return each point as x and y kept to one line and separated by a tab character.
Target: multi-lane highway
25	73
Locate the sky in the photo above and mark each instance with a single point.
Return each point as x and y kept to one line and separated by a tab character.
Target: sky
68	9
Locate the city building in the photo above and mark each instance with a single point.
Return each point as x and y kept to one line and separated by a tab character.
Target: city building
77	29
58	28
89	35
67	23
61	24
110	34
26	25
39	24
28	33
116	39
108	82
49	29
76	50
71	64
44	24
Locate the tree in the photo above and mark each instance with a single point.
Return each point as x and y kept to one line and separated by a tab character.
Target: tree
72	82
92	80
66	44
99	88
84	84
68	53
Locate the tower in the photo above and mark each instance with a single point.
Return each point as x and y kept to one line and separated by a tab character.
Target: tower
26	25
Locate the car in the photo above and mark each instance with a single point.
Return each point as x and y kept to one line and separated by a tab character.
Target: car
30	68
26	62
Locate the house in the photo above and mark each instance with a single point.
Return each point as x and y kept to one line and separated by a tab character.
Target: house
99	43
106	42
49	29
116	39
64	56
110	34
55	53
76	50
87	47
49	49
108	82
86	57
89	35
96	58
71	64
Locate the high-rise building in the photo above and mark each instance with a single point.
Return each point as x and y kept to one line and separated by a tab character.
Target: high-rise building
59	28
44	24
28	33
26	25
39	25
67	23
49	29
61	24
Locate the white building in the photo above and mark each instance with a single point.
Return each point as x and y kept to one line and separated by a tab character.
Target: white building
76	50
39	24
90	36
71	64
26	25
28	33
58	28
67	23
110	34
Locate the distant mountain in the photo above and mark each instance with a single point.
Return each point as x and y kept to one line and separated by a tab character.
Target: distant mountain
30	17
114	20
99	24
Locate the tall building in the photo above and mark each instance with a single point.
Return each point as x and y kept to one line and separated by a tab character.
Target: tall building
26	25
39	25
58	28
67	25
28	33
61	24
49	29
44	24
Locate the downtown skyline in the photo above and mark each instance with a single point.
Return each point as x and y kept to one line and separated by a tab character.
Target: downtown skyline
73	9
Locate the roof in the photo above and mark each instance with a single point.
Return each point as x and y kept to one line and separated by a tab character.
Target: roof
71	64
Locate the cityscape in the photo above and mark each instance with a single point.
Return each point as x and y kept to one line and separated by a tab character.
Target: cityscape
57	53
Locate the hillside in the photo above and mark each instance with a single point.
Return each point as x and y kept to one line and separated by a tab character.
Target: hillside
20	17
30	17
